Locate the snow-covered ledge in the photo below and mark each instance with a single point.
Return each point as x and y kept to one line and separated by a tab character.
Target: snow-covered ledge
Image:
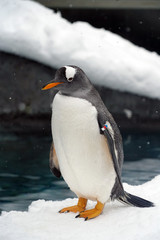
31	30
43	222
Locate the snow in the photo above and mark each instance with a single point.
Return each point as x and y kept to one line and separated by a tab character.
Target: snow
128	113
43	222
31	30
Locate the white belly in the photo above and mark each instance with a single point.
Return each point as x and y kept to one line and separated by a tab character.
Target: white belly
83	155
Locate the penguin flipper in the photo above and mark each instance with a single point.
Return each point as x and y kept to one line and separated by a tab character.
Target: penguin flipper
110	134
53	162
110	140
118	191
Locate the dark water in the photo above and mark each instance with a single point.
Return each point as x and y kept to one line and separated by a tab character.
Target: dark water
25	174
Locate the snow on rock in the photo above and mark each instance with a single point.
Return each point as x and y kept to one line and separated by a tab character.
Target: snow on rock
33	31
128	113
43	222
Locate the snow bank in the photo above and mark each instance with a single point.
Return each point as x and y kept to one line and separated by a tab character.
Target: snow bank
43	222
33	31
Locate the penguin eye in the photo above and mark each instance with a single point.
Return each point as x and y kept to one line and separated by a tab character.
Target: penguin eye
70	79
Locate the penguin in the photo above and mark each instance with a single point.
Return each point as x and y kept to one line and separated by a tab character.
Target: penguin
87	147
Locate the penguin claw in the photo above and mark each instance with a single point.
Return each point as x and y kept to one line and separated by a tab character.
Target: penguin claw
89	214
71	209
60	211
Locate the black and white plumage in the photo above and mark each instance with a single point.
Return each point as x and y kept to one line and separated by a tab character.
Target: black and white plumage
88	149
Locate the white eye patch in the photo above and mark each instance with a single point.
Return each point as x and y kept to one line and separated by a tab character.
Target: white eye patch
70	73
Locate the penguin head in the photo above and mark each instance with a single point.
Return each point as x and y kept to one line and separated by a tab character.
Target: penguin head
68	79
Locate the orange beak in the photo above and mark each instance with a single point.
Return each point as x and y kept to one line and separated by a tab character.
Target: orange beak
51	85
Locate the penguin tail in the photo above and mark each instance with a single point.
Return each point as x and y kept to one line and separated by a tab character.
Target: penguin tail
135	201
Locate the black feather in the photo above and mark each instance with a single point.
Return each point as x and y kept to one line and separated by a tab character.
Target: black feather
135	201
56	172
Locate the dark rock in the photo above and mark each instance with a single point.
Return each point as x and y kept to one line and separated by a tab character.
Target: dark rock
21	81
24	106
132	111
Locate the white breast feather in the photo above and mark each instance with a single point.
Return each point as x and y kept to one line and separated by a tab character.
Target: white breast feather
83	155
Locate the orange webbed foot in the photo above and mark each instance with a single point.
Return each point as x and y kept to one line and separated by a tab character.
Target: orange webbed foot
92	213
82	202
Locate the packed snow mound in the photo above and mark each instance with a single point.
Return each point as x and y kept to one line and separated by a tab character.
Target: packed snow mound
43	222
31	30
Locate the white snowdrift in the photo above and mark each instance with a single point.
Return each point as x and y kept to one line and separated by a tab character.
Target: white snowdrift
43	222
33	31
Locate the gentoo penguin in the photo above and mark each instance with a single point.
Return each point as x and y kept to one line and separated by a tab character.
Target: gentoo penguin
87	146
